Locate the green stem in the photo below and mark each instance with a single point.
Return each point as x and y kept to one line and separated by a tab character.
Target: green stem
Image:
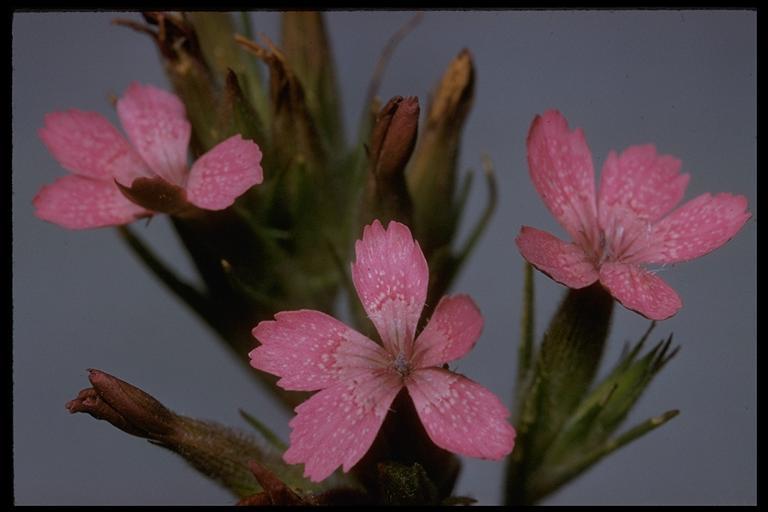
190	295
527	328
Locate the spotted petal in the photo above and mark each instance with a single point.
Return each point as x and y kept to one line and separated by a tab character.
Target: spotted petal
88	145
697	228
221	175
560	166
460	415
156	124
390	274
451	333
337	426
74	202
642	182
310	350
565	263
640	290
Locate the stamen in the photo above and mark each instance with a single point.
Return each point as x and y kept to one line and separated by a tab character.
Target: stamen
401	365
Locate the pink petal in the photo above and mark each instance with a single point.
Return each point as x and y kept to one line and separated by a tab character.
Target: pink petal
391	275
565	263
75	202
460	415
156	124
87	144
697	228
338	425
560	165
310	350
224	173
639	290
452	331
641	181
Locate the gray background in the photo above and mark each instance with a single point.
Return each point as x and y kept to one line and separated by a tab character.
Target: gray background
681	79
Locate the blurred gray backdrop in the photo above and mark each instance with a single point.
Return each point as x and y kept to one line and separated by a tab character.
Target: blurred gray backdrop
684	80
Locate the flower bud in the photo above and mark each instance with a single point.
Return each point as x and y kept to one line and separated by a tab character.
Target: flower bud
216	451
432	171
392	141
124	406
394	136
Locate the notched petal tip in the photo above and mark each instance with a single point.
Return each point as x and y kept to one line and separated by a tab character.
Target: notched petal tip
75	202
390	275
224	173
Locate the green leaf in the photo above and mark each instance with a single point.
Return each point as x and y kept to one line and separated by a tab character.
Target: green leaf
620	390
216	34
448	265
236	114
190	295
308	52
291	119
568	359
262	429
553	480
563	370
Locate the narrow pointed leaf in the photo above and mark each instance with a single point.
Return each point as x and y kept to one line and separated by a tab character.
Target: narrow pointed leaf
307	50
555	480
192	297
262	429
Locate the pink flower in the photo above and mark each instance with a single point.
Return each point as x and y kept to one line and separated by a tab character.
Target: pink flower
629	222
155	159
358	379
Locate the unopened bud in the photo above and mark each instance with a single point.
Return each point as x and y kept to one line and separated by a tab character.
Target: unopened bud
394	136
392	141
124	406
216	451
432	171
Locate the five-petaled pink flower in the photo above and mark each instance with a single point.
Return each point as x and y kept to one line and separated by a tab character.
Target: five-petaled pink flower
358	379
629	222
99	157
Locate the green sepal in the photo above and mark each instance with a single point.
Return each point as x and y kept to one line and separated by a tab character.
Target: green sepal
401	484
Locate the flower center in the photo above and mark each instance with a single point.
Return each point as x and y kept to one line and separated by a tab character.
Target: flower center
401	365
622	238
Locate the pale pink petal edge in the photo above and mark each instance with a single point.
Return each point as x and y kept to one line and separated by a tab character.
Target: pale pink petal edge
451	332
224	173
460	415
565	263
